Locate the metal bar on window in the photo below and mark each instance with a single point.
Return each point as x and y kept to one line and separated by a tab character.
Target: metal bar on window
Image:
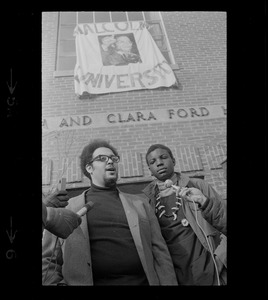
77	18
143	16
93	17
67	25
71	39
127	16
167	41
110	14
56	66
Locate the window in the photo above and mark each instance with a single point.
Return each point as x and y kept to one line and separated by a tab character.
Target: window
66	56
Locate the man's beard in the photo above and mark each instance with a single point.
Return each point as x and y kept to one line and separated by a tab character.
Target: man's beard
110	182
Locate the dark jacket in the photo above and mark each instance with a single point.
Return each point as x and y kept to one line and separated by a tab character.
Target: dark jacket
211	217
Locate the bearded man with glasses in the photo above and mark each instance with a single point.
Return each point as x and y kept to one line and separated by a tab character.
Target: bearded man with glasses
119	241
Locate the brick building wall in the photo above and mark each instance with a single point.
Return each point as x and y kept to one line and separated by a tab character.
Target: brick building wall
198	42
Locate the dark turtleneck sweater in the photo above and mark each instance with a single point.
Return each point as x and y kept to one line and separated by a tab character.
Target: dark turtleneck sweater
115	259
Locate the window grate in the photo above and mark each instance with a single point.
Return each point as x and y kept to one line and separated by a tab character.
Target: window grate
68	20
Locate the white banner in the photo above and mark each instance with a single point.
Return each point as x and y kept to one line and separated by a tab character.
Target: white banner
118	57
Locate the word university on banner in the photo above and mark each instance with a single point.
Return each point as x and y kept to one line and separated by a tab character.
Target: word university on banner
118	57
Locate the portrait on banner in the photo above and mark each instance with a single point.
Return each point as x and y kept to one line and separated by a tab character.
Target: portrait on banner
119	49
118	57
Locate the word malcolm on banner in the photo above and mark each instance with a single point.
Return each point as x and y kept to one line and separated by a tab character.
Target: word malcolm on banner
118	57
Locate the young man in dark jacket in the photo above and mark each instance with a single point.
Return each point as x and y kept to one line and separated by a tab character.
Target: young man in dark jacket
192	220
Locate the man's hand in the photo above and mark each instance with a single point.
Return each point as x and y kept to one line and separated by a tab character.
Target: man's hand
192	194
61	221
57	199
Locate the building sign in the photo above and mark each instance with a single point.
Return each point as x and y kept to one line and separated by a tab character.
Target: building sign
118	57
182	114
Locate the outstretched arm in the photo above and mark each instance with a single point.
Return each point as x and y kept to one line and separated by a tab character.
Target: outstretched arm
59	221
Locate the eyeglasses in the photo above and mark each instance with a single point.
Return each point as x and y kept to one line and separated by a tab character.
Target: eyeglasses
105	158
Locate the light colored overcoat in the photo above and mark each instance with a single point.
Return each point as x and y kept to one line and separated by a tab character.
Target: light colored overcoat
69	261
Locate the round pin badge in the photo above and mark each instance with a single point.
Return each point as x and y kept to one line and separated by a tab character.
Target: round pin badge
184	222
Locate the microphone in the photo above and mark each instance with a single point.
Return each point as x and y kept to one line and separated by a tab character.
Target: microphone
169	183
63	184
85	209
